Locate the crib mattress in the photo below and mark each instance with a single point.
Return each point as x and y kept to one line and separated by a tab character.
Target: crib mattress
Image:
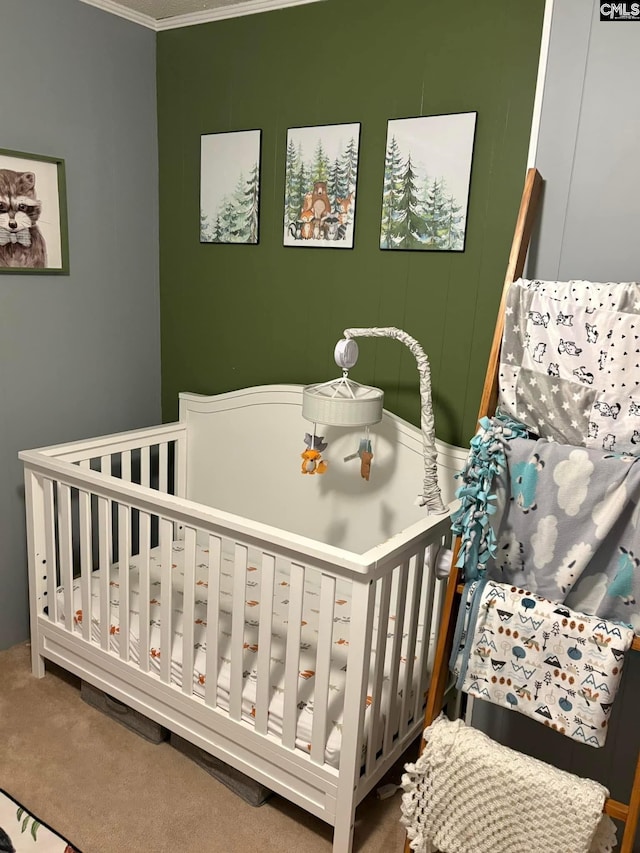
307	663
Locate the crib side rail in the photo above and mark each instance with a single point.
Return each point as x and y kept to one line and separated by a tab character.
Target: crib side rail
154	457
373	563
77	451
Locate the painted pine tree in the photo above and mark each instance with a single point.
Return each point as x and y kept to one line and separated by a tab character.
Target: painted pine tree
302	179
205	228
239	201
218	232
390	192
349	168
292	198
229	219
335	181
454	225
320	167
409	228
435	215
251	197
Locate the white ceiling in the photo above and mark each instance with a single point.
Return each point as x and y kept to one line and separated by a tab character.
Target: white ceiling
170	14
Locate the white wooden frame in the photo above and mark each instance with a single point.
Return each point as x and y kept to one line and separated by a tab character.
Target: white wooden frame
71	509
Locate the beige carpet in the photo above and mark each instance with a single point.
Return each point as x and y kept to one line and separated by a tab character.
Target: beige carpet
108	790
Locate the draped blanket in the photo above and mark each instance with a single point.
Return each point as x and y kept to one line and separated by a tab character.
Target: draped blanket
569	531
468	794
569	361
557	520
523	652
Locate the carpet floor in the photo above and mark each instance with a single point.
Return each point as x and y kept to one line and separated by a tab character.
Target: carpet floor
109	790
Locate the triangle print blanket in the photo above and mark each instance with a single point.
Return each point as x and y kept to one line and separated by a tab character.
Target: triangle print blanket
523	652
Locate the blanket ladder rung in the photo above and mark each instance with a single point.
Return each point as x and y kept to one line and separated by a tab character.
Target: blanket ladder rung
616	810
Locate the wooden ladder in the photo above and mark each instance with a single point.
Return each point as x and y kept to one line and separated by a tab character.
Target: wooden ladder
628	813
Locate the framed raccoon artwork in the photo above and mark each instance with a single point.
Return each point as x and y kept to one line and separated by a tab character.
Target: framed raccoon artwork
33	214
321	174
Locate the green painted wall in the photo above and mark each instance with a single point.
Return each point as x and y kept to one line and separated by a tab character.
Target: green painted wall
237	315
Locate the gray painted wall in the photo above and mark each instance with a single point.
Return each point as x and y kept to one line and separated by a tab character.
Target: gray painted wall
79	354
588	149
588	157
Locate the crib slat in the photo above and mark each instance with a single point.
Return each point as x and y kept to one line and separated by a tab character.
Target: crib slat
323	668
362	605
263	688
412	611
426	609
145	466
213	610
376	717
292	658
237	631
50	544
145	588
66	552
125	465
104	562
180	466
396	649
124	550
166	600
105	464
188	607
163	467
86	561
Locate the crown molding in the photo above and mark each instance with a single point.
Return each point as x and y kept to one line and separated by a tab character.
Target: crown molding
237	10
123	12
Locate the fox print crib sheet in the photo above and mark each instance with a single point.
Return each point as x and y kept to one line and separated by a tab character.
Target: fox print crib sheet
307	661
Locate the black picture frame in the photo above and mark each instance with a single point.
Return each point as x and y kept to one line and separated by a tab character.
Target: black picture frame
321	177
427	182
230	170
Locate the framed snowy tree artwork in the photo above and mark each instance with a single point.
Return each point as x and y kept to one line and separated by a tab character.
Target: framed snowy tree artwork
427	175
230	186
320	186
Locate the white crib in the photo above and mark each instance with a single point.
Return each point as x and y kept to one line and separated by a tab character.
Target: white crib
283	623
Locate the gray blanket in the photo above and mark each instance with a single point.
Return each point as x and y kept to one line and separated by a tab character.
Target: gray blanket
566	527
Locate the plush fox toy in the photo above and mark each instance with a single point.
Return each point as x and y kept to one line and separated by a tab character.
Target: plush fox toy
312	462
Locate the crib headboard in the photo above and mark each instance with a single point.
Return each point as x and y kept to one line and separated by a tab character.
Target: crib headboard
243	456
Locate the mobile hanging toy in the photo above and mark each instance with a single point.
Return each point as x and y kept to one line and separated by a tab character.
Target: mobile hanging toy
364	454
312	462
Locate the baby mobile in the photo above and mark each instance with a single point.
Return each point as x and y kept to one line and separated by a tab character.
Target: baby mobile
340	402
344	403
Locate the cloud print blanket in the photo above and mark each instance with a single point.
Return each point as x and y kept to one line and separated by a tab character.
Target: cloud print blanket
558	520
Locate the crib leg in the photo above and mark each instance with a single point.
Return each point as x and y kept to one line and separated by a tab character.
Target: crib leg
343	829
37	662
